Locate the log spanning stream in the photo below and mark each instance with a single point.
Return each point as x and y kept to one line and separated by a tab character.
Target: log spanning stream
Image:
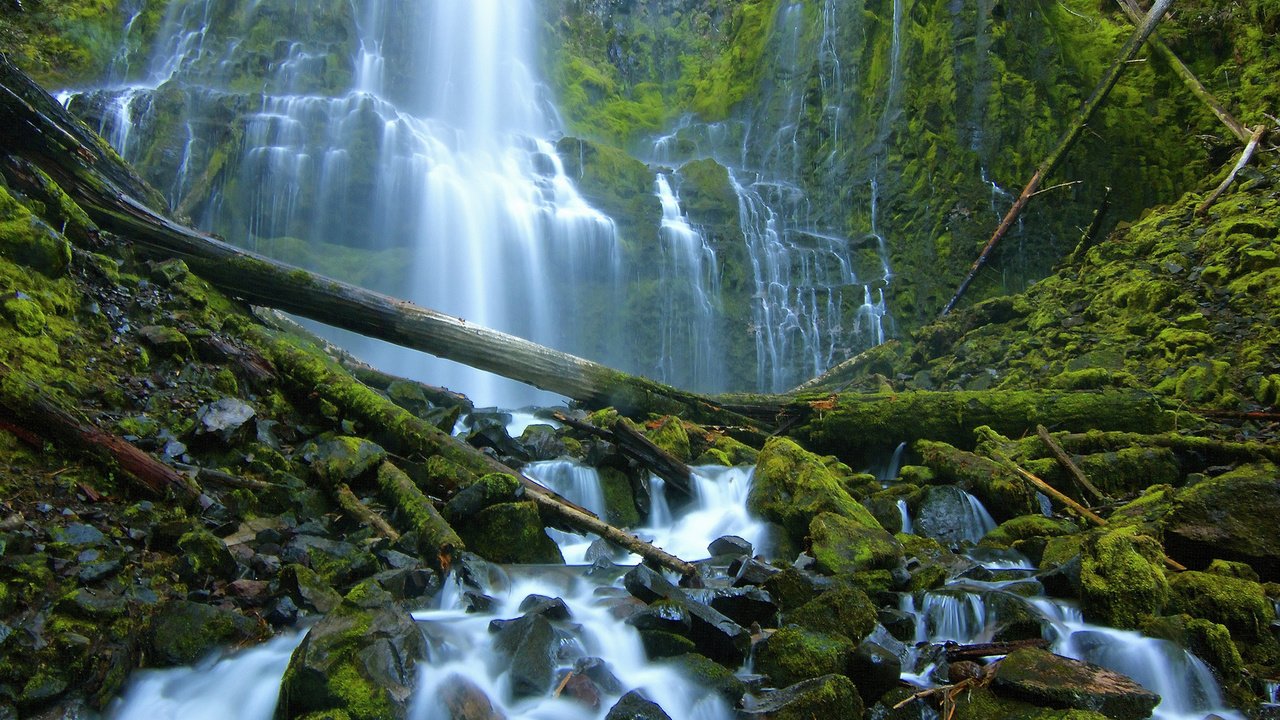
462	650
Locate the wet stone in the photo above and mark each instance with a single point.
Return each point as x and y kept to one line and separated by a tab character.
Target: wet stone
665	616
634	706
729	545
223	418
464	700
1042	678
529	644
751	572
548	607
283	612
877	669
79	535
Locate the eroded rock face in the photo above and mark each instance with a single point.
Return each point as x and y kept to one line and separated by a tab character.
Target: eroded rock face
1040	677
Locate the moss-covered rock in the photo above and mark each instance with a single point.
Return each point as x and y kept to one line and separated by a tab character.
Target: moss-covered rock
832	697
1028	534
206	556
344	459
1122	578
792	486
847	612
360	662
510	532
794	653
1241	605
843	546
182	632
1228	517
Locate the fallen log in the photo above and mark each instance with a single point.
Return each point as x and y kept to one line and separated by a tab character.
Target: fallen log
33	408
1068	139
46	134
881	421
955	652
437	541
362	513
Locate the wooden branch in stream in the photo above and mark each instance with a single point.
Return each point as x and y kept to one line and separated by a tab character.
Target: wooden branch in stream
1082	117
39	129
639	448
33	408
981	650
361	513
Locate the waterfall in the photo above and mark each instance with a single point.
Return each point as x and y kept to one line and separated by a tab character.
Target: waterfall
691	354
449	171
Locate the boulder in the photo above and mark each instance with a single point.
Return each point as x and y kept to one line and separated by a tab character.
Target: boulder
793	653
307	589
830	697
794	587
344	459
225	418
182	632
634	706
714	635
792	486
358	661
946	515
205	555
729	545
529	644
1028	534
1230	517
845	545
510	532
1241	605
1121	577
847	612
464	700
744	605
877	669
1042	678
491	489
711	675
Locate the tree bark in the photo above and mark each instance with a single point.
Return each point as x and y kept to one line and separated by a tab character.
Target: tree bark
42	131
1231	176
1068	139
362	513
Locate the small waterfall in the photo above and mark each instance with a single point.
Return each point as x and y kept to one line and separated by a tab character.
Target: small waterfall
243	685
691	354
905	513
1184	683
952	516
575	481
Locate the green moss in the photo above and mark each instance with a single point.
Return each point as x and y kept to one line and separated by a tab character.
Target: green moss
847	547
846	612
1122	578
510	532
1241	605
670	435
793	653
793	486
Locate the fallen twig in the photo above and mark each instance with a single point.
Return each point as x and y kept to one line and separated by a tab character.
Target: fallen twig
1244	160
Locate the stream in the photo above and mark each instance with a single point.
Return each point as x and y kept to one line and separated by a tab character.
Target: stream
968	609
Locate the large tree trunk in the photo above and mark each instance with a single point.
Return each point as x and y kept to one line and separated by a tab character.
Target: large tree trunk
39	129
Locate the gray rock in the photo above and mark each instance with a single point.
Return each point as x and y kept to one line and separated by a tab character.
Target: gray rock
830	697
223	418
529	644
1042	678
729	545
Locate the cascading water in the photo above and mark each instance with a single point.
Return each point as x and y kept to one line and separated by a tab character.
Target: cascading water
450	169
691	354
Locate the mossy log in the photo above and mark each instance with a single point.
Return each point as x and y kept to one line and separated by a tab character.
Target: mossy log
437	541
858	427
1209	451
33	408
362	513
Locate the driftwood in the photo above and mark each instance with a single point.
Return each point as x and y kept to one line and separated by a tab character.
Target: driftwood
1067	463
1231	176
33	408
639	448
1068	139
981	650
40	130
1197	88
848	367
